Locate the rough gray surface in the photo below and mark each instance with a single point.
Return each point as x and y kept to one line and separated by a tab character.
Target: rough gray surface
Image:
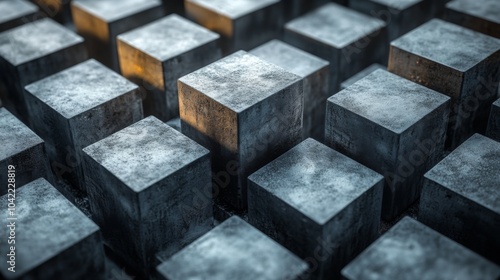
410	250
400	128
53	237
150	191
318	203
482	15
233	250
365	72
461	196
15	13
145	60
493	130
246	112
315	72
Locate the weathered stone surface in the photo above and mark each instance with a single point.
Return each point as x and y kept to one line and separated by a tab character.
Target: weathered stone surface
158	54
53	239
150	191
246	112
455	61
461	195
349	40
233	250
365	72
392	125
482	15
315	73
493	130
410	250
318	203
15	13
77	107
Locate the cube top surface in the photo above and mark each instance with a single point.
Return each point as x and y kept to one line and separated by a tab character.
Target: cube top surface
397	4
234	8
145	153
389	100
485	9
112	10
448	44
411	250
47	224
240	80
233	250
168	37
290	58
471	170
360	75
15	136
335	25
316	180
15	9
34	40
80	88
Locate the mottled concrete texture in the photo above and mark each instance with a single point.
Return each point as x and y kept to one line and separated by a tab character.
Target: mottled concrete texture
315	72
365	72
392	125
481	15
461	196
243	24
455	61
99	22
319	204
349	40
150	191
15	13
21	148
246	112
77	107
156	55
31	52
410	250
493	130
53	239
233	250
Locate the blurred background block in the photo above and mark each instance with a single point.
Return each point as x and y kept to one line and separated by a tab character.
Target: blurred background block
16	12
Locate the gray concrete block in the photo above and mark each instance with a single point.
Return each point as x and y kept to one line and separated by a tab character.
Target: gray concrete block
31	52
482	16
349	40
318	203
315	73
365	72
493	130
150	190
233	250
99	22
410	250
15	13
77	107
23	149
455	61
461	194
246	112
243	24
53	239
156	55
394	126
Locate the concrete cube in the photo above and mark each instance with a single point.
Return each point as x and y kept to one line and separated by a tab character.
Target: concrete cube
349	40
461	194
233	250
243	24
318	203
394	126
78	107
493	130
150	190
410	250
99	22
365	72
31	52
246	112
51	238
15	13
158	54
23	149
482	15
315	72
455	61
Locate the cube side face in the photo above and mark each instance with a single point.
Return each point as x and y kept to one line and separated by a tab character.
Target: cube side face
11	90
316	92
295	8
493	130
210	19
479	24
